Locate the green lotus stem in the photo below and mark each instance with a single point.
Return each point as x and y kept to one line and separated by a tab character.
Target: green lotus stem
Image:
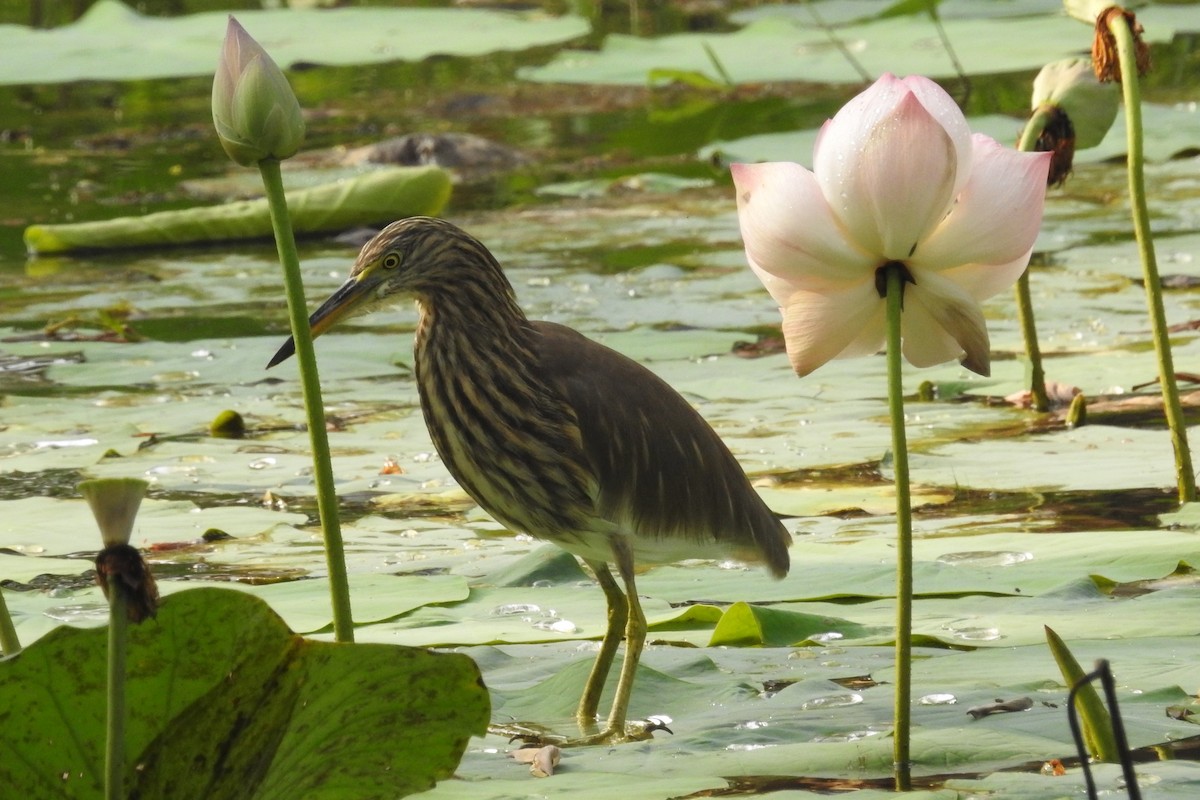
118	636
327	508
1131	94
904	557
1037	374
10	645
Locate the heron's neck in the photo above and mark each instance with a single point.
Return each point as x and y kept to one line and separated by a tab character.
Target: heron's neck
474	323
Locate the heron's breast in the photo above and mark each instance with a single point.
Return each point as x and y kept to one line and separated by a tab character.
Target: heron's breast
512	450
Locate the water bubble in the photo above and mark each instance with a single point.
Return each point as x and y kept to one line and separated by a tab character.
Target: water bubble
79	613
262	463
171	471
984	558
55	444
848	736
972	631
556	625
515	609
751	725
938	699
827	637
832	701
176	376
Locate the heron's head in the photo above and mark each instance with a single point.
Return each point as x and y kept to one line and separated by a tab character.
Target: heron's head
416	256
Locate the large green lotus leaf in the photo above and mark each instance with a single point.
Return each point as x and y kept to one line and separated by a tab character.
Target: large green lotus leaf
520	614
979	563
744	624
113	42
1171	780
840	12
305	605
1167	131
1145	663
831	730
556	697
50	526
779	49
547	564
508	779
1148	685
1092	458
988	622
810	500
224	701
377	196
1121	258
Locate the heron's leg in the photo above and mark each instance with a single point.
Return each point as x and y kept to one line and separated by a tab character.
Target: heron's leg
618	613
635	637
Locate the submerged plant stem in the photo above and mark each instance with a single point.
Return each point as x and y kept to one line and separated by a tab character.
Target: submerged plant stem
904	560
285	241
118	634
10	645
1131	93
1039	401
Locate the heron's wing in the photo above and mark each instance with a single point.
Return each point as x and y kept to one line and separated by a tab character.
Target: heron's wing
663	473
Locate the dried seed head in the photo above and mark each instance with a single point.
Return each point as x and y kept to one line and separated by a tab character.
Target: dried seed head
1071	85
1058	139
121	568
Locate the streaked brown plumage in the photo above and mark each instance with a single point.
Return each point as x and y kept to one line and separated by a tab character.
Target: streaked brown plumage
558	436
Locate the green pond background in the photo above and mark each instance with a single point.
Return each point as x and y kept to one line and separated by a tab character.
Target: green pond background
620	223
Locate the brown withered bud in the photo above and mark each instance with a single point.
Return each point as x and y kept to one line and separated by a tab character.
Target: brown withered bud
122	567
1104	45
1058	138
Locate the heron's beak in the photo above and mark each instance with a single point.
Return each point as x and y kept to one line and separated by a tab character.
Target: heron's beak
341	304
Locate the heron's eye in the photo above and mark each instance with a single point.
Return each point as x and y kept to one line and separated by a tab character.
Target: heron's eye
391	261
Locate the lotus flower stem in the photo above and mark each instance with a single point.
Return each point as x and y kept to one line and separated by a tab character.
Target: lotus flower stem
904	557
327	508
1037	374
10	645
118	636
1131	92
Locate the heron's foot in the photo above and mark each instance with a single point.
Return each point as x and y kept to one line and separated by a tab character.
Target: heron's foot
533	734
528	733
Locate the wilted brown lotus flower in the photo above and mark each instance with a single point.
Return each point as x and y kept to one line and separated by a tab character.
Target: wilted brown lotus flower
1104	46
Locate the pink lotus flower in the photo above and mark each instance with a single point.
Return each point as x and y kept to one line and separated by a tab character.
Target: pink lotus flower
897	178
